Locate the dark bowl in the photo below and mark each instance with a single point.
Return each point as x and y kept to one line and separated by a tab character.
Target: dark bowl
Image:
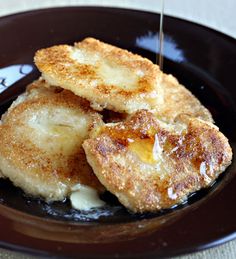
202	59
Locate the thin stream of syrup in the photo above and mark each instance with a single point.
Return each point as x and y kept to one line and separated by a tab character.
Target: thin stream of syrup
161	38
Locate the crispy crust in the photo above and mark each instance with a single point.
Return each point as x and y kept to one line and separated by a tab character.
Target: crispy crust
179	100
41	142
150	165
79	69
107	76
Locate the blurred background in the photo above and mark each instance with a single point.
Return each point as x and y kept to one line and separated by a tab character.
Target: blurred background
216	14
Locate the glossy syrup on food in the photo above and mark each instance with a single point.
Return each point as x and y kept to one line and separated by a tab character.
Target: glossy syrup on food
113	211
194	79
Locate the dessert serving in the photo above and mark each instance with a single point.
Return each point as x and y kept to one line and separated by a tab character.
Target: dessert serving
55	142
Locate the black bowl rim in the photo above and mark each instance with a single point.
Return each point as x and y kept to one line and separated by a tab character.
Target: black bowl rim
218	241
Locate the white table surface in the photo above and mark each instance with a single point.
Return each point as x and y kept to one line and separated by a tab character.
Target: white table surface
217	14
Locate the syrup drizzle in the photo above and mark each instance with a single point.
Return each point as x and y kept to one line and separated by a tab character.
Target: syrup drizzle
161	38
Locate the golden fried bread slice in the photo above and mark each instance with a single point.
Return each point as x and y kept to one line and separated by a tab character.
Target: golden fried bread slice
40	142
179	100
107	76
115	79
150	165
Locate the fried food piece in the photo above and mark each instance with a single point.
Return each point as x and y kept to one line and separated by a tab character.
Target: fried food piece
107	76
115	79
40	142
150	165
179	100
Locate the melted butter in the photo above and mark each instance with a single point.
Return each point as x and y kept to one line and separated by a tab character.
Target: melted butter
85	198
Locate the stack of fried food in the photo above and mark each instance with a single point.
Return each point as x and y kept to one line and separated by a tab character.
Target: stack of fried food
163	147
